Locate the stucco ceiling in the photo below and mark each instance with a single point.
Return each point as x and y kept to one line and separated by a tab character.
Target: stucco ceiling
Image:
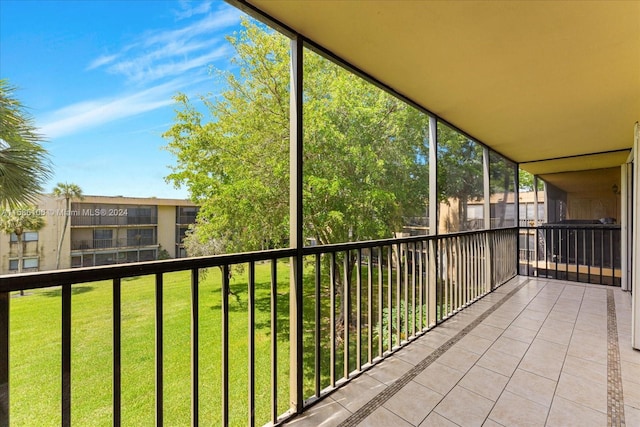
534	80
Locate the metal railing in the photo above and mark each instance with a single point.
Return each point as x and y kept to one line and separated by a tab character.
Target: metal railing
361	302
111	220
79	245
581	253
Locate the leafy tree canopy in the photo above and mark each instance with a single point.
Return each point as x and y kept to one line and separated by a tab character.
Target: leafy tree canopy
24	163
365	152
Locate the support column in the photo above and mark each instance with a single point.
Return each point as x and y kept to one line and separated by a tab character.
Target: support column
487	219
295	225
635	255
433	222
626	238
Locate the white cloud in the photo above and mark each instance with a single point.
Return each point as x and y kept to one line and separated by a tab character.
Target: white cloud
188	11
80	116
100	61
148	68
159	54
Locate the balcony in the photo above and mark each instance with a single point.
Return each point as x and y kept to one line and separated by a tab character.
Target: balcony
534	352
127	242
365	330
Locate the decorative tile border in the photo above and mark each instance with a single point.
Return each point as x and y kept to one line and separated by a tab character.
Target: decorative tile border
387	393
615	399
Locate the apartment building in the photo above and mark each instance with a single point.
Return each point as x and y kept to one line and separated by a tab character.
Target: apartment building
101	230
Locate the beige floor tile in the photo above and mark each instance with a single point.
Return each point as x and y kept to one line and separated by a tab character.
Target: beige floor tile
474	343
382	417
532	387
520	334
413	402
556	331
459	358
439	377
464	407
499	362
514	410
587	369
326	413
486	331
510	346
628	353
563	315
434	338
584	392
631	415
484	382
390	370
631	392
491	423
631	371
534	314
525	322
358	392
497	321
542	364
565	413
597	328
589	349
548	349
414	353
436	420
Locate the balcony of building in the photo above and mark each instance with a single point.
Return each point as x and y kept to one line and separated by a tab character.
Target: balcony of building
417	330
485	318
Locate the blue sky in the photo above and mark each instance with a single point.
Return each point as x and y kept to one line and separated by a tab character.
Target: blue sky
98	78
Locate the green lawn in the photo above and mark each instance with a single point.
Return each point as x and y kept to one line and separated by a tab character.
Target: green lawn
35	351
35	348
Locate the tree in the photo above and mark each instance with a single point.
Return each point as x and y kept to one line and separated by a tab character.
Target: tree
24	163
365	152
17	221
67	192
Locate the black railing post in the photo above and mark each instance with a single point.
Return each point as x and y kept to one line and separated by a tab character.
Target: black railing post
251	301
117	351
224	295
4	358
195	339
159	344
66	355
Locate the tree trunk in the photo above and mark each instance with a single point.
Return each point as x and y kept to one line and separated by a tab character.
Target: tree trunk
64	230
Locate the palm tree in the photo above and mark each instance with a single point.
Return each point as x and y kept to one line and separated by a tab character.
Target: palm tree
17	221
67	192
24	163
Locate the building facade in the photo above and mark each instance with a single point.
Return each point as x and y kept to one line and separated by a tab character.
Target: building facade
100	230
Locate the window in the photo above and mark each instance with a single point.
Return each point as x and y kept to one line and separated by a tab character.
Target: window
27	236
102	238
142	215
186	214
141	236
27	264
30	263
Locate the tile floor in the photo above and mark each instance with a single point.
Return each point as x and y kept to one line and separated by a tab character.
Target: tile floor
535	352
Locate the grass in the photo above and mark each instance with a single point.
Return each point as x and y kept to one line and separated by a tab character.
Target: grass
35	348
36	351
